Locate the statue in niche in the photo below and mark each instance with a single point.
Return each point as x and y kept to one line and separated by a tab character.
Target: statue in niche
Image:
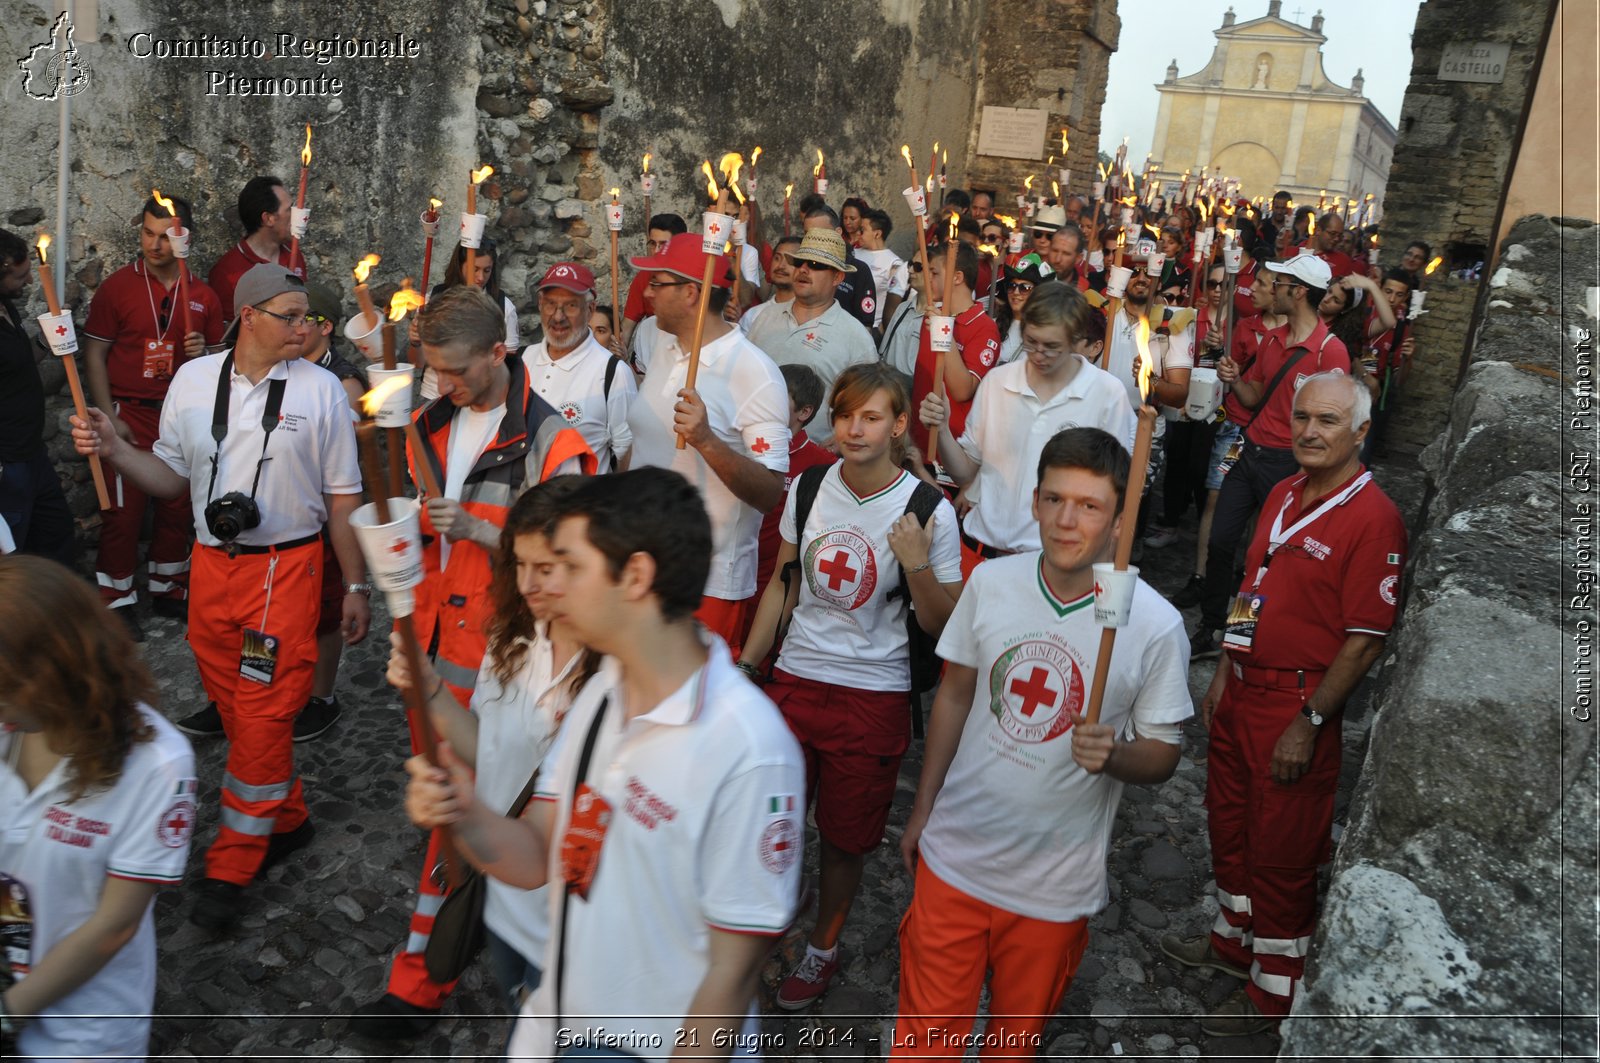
1263	68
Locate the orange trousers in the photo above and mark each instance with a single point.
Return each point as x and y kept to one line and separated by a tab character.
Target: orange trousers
948	941
279	594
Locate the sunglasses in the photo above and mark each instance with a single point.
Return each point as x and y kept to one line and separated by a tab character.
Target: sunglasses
1021	287
1212	286
667	284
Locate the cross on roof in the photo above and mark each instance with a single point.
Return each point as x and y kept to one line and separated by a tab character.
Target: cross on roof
1297	13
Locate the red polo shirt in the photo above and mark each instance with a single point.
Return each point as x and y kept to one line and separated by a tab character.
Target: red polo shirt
1247	335
1336	577
1245	282
1342	264
803	454
127	311
635	309
978	340
1324	352
233	265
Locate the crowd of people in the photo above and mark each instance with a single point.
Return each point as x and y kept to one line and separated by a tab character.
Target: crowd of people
692	566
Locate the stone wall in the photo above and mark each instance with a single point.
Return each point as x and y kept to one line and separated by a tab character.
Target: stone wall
1449	175
1461	918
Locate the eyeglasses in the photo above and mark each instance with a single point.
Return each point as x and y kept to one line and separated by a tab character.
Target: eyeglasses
1212	286
1021	287
798	264
298	321
667	284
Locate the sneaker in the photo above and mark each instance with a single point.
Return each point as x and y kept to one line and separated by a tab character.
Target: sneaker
1203	644
1197	952
1237	1016
171	608
207	723
279	846
1189	596
130	621
317	716
216	905
391	1019
808	981
1160	537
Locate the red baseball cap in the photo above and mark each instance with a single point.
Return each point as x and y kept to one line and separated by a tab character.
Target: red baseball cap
571	276
683	257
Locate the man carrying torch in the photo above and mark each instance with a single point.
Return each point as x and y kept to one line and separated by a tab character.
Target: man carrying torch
263	442
1008	835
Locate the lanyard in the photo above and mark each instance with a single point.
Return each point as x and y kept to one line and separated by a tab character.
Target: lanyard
155	319
1279	535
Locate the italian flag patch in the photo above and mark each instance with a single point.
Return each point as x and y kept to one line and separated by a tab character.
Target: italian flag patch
779	804
1394	559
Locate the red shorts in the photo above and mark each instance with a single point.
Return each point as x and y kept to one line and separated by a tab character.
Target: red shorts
727	619
332	590
853	741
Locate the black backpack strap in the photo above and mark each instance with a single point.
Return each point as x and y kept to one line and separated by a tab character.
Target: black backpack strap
578	779
605	398
923	501
805	490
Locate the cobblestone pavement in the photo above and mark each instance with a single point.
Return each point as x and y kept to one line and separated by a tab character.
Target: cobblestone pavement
317	933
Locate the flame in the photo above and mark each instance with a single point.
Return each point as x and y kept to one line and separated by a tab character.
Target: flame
1102	168
434	205
1129	201
1055	189
405	300
615	192
1153	230
1146	363
788	189
373	400
1438	260
1063	141
43	243
955	225
944	159
166	204
1122	237
1005	219
816	171
480	176
929	184
364	267
711	182
647	162
1200	204
1051	161
755	157
992	250
1227	208
1028	183
905	153
305	152
734	188
1311	224
935	149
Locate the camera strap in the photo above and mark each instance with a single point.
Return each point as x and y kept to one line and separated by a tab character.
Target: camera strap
219	422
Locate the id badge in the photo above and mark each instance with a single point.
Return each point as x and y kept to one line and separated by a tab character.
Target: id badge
258	657
586	834
158	358
1239	633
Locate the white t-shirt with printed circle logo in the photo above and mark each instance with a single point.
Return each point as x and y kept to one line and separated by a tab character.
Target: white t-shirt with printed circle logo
1018	823
55	857
845	629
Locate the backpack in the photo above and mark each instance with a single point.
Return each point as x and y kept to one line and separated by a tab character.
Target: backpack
605	394
925	663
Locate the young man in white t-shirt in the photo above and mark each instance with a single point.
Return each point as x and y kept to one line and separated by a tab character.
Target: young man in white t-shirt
1013	815
1019	407
675	851
889	271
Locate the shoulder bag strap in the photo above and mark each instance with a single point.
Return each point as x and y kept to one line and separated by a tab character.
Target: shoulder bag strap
578	778
1272	385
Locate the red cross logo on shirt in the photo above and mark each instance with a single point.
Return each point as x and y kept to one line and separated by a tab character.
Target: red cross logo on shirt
760	446
1035	692
810	336
61	330
180	819
837	569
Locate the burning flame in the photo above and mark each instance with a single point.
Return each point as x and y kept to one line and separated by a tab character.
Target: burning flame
615	192
405	300
1438	260
788	189
434	205
373	400
955	225
166	204
1028	183
305	152
992	250
1129	201
1200	204
364	267
905	153
480	176
1055	189
755	157
1063	141
1146	363
711	182
1153	230
816	171
1005	219
935	149
647	162
944	159
44	242
1311	224
729	167
1122	237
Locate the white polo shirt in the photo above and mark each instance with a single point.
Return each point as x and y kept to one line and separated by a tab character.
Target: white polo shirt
1018	823
58	855
747	407
707	792
829	343
517	724
845	631
1007	428
575	384
310	454
752	315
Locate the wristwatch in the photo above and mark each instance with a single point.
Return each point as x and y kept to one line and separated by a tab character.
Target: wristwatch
358	588
1313	715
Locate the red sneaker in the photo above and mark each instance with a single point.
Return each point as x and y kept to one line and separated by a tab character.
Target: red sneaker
807	982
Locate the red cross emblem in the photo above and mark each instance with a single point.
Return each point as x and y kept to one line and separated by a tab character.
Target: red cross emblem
61	330
945	331
180	819
1035	692
760	446
1099	590
810	336
837	569
399	546
715	228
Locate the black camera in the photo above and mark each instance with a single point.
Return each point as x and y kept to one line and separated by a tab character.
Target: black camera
232	515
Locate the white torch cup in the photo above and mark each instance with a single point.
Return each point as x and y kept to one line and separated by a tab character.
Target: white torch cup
396	409
822	186
430	229
1232	260
614	217
393	550
1097	189
58	332
1154	263
647	183
1205	393
299	221
1015	241
179	239
1117	283
749	186
1417	299
941	332
1066	179
472	226
715	231
1372	257
368	341
917	200
1113	593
